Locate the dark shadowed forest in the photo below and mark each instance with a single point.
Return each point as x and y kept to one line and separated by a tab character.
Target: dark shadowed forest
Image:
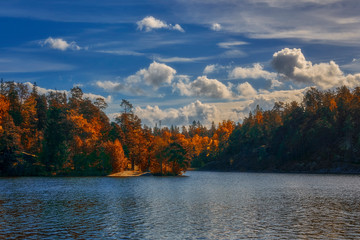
56	134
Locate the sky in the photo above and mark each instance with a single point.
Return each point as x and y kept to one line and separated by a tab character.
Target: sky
178	61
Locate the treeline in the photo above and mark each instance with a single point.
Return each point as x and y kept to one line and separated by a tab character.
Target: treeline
56	134
321	134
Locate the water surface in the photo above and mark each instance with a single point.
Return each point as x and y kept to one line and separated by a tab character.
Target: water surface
204	205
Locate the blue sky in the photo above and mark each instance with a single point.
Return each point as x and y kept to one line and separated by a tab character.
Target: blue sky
179	61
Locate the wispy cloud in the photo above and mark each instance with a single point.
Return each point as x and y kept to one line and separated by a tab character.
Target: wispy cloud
120	87
121	52
233	53
327	21
23	65
353	66
231	44
179	59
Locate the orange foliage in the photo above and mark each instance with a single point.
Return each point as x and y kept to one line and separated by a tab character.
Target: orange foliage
259	117
117	158
4	108
333	105
86	133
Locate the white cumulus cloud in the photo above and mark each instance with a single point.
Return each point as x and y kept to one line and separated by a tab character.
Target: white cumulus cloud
204	87
256	71
215	112
149	23
246	90
59	44
267	100
291	63
155	75
196	111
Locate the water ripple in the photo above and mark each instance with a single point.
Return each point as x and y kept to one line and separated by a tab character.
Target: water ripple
204	205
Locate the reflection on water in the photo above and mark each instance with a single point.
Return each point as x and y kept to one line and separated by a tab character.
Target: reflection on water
204	205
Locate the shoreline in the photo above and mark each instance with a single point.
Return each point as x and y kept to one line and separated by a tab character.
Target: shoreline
130	173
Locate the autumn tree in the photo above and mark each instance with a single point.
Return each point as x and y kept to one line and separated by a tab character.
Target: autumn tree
133	137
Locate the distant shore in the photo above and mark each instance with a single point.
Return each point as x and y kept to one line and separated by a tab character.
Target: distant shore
125	174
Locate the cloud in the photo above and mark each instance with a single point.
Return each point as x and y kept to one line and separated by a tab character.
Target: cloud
204	87
231	44
275	83
320	20
109	85
213	68
156	75
196	111
149	23
216	27
121	52
267	100
93	97
59	44
327	21
124	87
22	65
177	27
254	72
234	53
210	69
246	90
215	112
90	96
179	59
291	63
354	65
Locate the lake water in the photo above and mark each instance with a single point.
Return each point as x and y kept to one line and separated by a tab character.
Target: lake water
203	205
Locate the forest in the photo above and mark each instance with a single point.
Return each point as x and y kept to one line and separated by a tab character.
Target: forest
60	135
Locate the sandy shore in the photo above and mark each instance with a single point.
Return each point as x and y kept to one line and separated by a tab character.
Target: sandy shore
129	174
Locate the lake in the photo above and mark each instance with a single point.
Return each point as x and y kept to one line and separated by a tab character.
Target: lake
202	205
